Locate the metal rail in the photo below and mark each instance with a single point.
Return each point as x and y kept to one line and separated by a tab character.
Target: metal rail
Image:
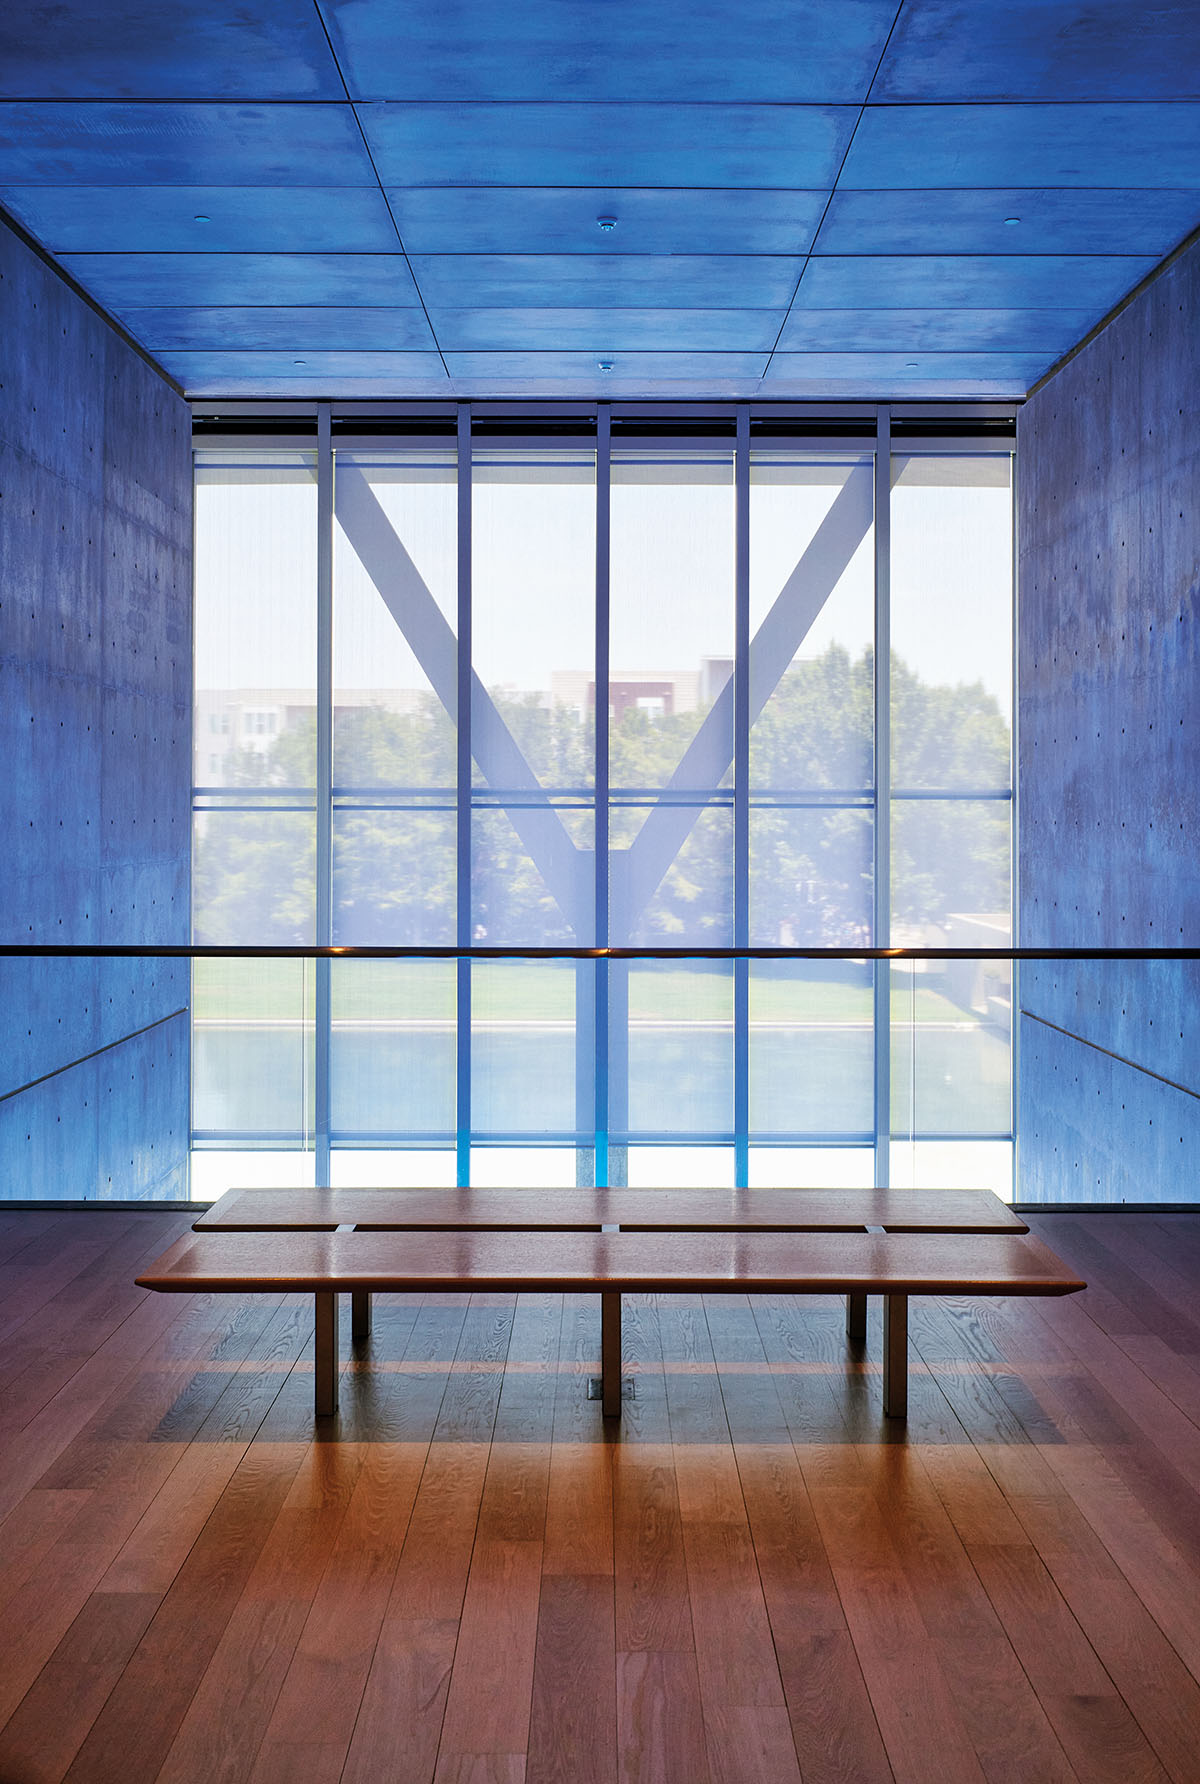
431	951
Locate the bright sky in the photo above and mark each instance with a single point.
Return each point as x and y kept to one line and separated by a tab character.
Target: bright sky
672	572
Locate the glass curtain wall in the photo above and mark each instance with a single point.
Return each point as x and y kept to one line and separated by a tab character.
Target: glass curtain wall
254	822
604	690
952	840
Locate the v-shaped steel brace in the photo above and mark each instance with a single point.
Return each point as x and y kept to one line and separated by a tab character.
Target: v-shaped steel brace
566	868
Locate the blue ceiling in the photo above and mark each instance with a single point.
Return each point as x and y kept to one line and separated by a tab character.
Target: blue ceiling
811	198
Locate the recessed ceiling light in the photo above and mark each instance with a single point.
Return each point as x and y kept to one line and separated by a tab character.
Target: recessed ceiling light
1011	222
605	365
606	222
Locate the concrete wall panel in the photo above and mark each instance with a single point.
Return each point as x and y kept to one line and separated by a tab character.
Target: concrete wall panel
1097	1129
1109	714
95	723
112	1127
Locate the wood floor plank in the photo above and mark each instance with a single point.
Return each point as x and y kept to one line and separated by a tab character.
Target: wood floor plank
30	1530
644	1418
236	1694
513	1508
1167	1581
399	1723
162	1539
573	1721
45	1604
530	1390
480	1768
1107	1251
19	1227
431	1577
735	1655
1116	1408
653	1608
30	1282
695	1407
472	1397
992	1692
1160	1692
750	1742
1101	1738
471	1575
1175	1374
578	1360
660	1720
1130	1244
314	1716
579	1509
833	1726
913	1702
218	1738
491	1685
42	1738
133	1733
818	1371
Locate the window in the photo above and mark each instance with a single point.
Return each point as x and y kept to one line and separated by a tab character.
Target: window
567	708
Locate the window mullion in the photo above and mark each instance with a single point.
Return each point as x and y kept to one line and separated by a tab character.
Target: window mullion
602	676
882	877
741	802
463	805
324	795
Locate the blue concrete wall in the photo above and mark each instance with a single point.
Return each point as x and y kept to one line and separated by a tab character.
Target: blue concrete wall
95	741
1109	715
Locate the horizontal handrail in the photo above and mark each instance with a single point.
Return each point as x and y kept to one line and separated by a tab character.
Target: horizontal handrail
433	951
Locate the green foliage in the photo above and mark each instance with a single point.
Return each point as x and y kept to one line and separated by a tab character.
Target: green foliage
811	846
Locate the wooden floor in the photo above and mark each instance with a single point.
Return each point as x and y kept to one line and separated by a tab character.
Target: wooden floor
758	1580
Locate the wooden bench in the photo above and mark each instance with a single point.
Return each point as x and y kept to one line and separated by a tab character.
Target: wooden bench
612	1242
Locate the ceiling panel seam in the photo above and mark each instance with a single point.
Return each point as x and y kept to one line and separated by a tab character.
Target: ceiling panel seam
379	183
837	178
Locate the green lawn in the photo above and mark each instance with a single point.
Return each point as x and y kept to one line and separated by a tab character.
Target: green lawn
382	991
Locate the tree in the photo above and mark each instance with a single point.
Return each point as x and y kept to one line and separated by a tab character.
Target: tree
811	755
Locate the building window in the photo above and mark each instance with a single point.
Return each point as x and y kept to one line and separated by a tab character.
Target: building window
759	780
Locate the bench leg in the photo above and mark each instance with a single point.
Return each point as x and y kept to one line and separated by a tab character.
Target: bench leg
325	1354
856	1316
895	1356
360	1314
610	1355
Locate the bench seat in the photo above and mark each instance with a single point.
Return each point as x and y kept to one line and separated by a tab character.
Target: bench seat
644	1210
611	1263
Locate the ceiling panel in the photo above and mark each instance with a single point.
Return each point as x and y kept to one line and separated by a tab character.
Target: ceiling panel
1011	372
682	281
321	194
124	281
191	219
155	49
1025	145
945	281
209	368
181	145
1041	49
299	329
1008	220
803	376
605	329
552	144
240	375
566	220
962	330
795	51
626	368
